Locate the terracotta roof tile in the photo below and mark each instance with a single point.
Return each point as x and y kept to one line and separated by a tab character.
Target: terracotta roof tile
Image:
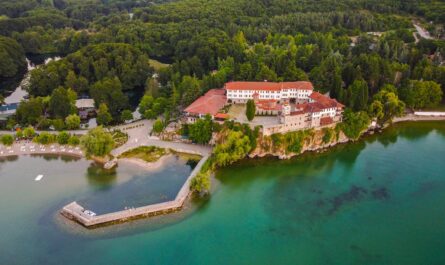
210	103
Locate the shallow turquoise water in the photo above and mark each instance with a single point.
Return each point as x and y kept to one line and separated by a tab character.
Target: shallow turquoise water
378	201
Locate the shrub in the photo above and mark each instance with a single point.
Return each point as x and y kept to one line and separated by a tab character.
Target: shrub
58	124
7	139
45	138
74	140
63	138
72	122
29	132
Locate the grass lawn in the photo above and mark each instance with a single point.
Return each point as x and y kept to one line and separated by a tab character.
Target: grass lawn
146	153
237	111
119	137
157	65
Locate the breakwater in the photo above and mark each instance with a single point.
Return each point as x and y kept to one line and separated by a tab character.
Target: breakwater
76	212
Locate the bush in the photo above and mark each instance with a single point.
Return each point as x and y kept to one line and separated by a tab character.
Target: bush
158	126
328	134
72	122
58	124
19	134
74	140
29	132
126	115
45	138
63	138
201	182
7	139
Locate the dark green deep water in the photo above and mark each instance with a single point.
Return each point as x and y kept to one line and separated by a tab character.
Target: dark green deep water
377	201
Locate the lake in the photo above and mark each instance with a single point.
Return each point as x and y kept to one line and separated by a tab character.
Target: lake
377	201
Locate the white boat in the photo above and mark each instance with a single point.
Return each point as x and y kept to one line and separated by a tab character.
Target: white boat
90	213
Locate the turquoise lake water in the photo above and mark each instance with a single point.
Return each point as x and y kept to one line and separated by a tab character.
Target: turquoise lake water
377	201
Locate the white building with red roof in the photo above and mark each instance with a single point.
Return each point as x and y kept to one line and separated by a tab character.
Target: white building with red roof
241	92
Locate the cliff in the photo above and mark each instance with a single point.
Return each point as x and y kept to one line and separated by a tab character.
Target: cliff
285	146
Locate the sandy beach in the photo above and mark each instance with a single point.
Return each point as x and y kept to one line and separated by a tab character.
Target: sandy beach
29	148
146	165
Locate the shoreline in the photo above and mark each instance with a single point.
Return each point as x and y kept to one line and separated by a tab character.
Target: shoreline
146	165
369	131
18	149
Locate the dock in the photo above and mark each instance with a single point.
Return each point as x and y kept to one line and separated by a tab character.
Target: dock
77	213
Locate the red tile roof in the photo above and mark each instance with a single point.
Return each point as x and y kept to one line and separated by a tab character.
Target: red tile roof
268	104
222	116
326	101
271	86
210	103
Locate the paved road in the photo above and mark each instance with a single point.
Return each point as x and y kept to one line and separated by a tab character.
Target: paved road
138	135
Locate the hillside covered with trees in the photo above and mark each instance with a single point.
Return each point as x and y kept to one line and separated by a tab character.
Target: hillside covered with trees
353	49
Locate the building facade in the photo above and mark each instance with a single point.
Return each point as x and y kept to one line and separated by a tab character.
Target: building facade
241	92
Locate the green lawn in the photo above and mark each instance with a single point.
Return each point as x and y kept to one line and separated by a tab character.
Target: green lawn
158	65
146	153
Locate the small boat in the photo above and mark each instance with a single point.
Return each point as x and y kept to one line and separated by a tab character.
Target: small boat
38	178
90	213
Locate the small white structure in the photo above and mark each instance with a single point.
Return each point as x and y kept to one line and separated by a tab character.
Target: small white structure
85	106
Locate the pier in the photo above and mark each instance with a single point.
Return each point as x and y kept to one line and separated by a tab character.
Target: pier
76	212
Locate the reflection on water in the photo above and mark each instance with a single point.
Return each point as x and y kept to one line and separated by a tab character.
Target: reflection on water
100	177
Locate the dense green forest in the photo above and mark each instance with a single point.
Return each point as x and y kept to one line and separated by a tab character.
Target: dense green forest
361	51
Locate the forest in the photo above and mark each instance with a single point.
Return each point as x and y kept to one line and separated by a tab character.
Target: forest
362	52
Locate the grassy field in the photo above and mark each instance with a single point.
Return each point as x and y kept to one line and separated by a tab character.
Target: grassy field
146	153
119	137
157	65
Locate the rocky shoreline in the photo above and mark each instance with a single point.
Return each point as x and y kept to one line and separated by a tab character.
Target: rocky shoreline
316	144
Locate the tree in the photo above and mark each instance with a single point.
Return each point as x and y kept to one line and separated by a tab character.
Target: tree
386	105
29	112
72	122
233	148
354	123
250	109
158	126
103	116
61	103
376	110
12	57
358	95
201	131
7	139
421	94
190	89
126	115
145	104
109	92
97	142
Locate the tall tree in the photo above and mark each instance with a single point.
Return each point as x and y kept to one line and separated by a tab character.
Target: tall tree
250	109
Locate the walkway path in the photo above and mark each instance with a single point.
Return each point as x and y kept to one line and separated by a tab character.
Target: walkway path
421	116
139	135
